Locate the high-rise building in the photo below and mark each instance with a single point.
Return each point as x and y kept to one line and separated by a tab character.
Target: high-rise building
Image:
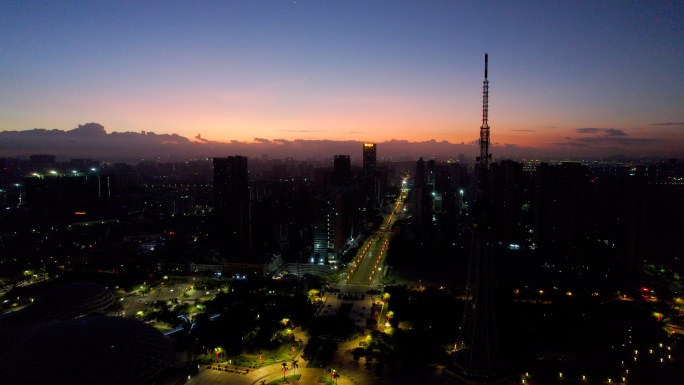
231	182
369	158
420	181
341	170
344	224
59	194
420	199
231	194
324	229
41	163
560	212
369	178
10	171
507	201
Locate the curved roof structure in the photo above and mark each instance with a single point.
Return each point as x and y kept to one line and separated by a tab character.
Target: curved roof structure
88	350
63	302
51	342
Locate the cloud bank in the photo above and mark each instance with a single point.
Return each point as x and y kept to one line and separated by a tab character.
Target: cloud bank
91	140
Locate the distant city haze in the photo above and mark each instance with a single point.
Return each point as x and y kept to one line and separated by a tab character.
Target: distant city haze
284	78
91	140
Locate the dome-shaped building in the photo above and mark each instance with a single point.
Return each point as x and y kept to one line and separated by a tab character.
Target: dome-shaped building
53	341
88	350
63	302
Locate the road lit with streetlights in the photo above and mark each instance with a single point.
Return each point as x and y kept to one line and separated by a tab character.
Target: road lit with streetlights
366	269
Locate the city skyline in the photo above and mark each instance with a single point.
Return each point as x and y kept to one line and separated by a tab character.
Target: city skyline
580	79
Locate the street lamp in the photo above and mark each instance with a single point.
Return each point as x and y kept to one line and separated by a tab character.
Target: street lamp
284	369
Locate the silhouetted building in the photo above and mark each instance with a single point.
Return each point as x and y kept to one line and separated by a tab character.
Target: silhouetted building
231	182
324	229
560	211
341	170
183	206
58	194
10	171
369	180
41	163
231	193
78	346
507	201
421	201
627	221
280	214
369	158
345	208
420	181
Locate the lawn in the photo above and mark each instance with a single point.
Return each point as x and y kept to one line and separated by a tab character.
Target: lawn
287	379
282	354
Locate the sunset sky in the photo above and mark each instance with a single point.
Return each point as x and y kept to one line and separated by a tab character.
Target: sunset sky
563	74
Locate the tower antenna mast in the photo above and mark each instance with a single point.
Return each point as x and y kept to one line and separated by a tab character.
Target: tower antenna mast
476	360
485	156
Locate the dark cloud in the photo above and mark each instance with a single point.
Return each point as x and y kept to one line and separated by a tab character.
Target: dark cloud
603	131
605	136
302	130
588	130
571	144
615	132
92	141
668	124
203	140
88	129
608	136
617	140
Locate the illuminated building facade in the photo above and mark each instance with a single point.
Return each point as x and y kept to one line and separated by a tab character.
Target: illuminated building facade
369	158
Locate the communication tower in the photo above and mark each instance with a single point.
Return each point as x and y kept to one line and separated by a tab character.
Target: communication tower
476	359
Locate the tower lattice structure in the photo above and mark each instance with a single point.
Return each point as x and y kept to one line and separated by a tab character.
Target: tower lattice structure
485	156
476	359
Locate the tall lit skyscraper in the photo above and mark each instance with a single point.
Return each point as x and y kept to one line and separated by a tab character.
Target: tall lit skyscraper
369	158
369	177
324	229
